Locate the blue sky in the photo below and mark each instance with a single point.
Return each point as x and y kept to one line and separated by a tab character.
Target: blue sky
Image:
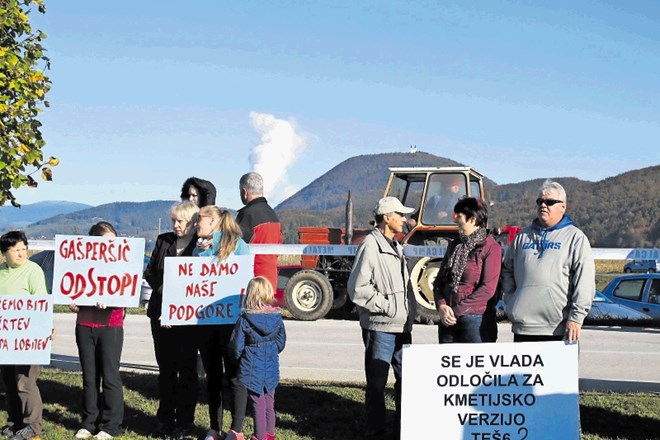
148	93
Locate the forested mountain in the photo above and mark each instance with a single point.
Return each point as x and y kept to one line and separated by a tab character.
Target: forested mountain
365	176
133	219
323	202
13	218
620	211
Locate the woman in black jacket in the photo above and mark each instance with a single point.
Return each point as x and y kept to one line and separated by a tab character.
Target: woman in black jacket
175	354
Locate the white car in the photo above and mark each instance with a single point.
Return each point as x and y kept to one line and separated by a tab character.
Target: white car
602	310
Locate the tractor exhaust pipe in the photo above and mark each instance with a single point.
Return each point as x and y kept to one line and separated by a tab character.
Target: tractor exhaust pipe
349	220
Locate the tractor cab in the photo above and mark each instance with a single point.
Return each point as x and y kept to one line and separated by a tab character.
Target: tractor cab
433	192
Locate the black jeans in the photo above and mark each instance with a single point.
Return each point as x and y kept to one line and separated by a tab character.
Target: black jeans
176	355
213	343
240	398
99	350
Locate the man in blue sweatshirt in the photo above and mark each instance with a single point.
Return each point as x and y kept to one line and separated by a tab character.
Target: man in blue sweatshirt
548	273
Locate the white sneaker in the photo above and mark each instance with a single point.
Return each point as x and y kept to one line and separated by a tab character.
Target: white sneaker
102	435
83	433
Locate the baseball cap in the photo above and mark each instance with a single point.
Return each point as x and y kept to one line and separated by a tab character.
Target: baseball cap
391	204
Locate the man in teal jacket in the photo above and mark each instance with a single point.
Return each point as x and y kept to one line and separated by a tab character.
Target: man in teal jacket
548	273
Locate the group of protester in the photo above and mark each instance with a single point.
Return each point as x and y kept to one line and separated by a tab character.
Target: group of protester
546	276
228	351
240	360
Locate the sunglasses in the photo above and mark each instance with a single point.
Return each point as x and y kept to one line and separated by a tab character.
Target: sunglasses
547	202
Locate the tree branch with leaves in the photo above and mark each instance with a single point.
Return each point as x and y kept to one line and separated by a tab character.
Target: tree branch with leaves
23	89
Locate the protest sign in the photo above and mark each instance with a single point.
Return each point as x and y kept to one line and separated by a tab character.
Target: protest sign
92	269
26	323
501	391
202	290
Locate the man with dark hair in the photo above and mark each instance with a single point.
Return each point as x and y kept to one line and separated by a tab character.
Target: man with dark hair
18	275
200	191
379	285
259	224
548	273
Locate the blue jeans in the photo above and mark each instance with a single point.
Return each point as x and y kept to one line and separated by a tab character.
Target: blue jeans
468	329
381	350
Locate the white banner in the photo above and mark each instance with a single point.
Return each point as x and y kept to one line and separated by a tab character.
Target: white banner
26	323
512	391
90	269
201	290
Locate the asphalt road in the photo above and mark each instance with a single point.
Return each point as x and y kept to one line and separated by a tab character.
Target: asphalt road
611	358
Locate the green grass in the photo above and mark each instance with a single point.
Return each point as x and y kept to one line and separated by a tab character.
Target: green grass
310	410
61	308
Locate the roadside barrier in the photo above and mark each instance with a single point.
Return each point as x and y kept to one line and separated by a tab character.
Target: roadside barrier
408	250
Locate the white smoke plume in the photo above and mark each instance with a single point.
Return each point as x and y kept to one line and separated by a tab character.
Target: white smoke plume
278	148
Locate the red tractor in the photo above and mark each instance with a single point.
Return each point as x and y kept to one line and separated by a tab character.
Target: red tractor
319	284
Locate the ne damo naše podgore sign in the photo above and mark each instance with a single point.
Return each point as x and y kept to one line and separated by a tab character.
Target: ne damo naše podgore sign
203	290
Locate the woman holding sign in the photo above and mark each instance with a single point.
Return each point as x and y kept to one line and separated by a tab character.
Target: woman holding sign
100	339
175	354
468	278
219	236
19	276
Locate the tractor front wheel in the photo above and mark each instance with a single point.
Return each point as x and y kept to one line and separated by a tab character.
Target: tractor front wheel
308	295
422	275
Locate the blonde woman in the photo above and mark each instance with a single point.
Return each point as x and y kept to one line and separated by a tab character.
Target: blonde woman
219	236
175	355
258	339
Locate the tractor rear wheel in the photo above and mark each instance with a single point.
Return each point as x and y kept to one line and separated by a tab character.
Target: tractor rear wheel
422	275
308	295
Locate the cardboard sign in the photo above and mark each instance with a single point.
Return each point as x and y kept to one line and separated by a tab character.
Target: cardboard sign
201	290
26	323
89	270
503	391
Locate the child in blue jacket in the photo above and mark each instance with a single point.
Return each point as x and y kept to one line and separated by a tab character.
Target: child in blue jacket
256	342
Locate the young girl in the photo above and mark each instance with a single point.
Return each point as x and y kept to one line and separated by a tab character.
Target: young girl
256	342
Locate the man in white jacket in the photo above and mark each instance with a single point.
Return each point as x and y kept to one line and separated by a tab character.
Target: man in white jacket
379	285
548	273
